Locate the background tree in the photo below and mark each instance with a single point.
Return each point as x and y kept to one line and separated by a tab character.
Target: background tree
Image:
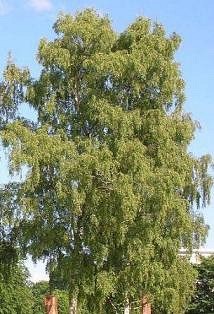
15	292
203	299
63	301
111	188
41	289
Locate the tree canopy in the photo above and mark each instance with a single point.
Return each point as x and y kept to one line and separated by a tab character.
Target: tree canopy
111	189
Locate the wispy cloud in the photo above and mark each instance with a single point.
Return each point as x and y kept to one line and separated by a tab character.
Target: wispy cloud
41	5
4	7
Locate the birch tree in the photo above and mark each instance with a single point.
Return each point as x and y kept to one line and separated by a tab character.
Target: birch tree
111	191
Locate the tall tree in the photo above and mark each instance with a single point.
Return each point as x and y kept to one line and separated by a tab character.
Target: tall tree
111	188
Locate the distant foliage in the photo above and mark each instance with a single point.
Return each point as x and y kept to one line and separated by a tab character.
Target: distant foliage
15	292
63	301
40	290
203	299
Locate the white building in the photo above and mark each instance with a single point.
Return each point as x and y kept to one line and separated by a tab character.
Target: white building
197	254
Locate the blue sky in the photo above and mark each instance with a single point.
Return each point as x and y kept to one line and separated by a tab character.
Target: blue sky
24	22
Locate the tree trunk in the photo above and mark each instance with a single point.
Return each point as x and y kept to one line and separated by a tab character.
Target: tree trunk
127	307
73	305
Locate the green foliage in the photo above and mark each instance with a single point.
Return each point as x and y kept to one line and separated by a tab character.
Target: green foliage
203	299
11	91
15	293
111	188
39	290
63	301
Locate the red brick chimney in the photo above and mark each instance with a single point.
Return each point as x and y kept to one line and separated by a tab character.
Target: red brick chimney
51	305
145	306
